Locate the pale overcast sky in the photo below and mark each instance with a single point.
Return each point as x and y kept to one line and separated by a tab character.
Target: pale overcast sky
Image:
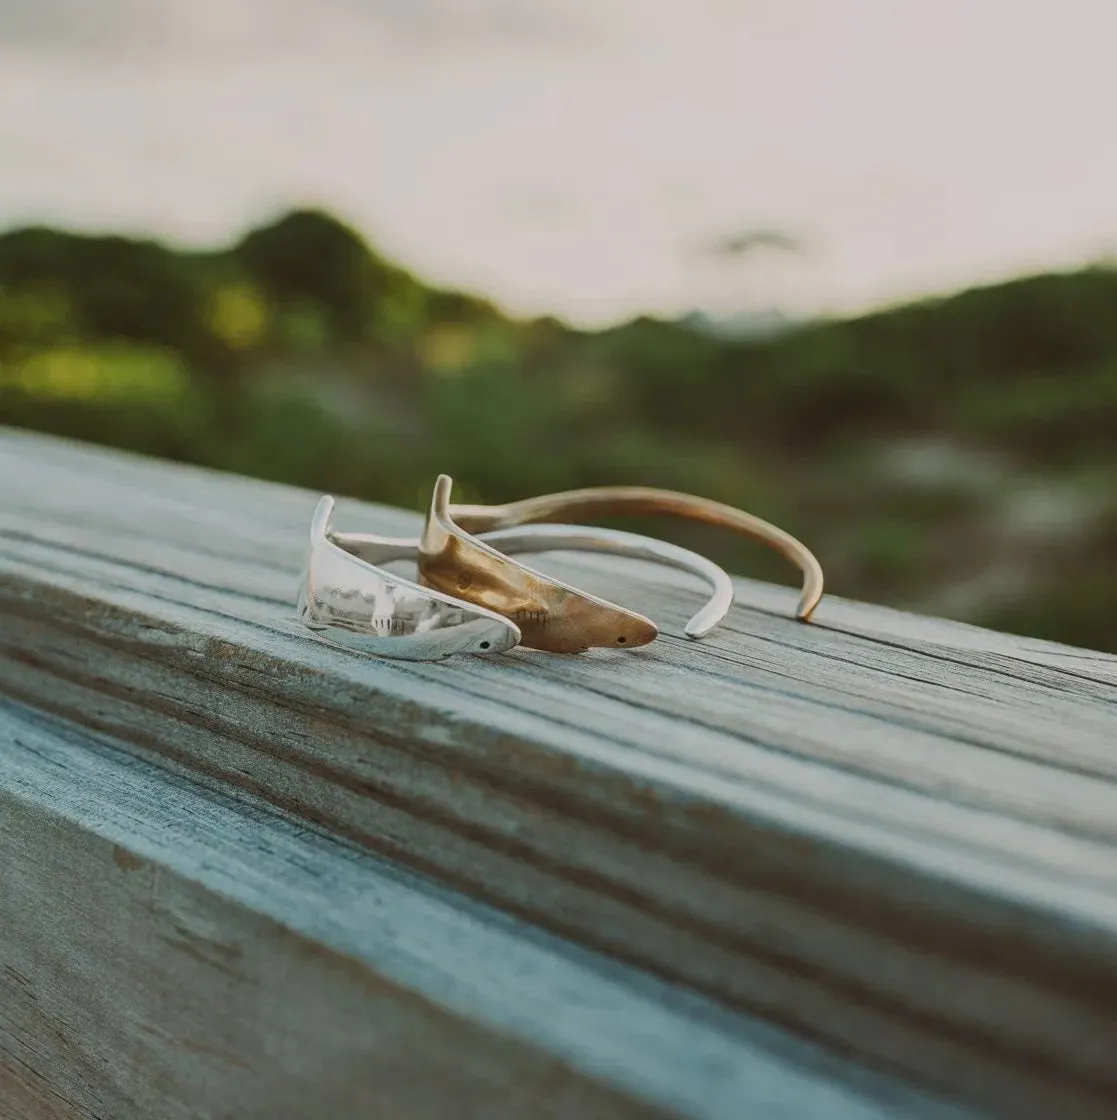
582	155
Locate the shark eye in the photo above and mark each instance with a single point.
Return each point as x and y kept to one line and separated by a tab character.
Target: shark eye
621	640
485	645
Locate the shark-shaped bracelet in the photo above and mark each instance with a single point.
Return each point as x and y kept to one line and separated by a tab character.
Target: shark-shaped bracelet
551	615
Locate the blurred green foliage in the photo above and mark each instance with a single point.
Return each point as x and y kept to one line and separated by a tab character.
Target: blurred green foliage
958	455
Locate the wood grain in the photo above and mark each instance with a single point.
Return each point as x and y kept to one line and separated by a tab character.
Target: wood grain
896	836
175	954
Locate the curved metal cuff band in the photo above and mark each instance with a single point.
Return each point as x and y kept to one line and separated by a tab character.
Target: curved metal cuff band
579	505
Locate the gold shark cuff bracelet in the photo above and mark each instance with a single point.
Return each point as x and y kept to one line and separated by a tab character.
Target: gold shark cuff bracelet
552	615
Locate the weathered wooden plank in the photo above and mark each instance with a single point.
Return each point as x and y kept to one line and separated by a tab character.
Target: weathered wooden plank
168	500
896	835
171	953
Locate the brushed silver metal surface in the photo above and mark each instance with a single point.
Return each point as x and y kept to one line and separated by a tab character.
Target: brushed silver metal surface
376	549
351	602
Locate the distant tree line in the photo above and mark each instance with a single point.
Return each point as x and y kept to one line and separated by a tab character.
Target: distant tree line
300	353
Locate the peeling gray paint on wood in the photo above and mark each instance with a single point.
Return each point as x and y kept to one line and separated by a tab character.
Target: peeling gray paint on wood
894	835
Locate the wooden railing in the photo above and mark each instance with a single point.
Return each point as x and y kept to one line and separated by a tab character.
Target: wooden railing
864	867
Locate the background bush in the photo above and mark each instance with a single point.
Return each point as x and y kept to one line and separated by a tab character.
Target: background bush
958	456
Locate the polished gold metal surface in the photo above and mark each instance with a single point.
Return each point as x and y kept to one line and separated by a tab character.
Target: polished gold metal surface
551	615
601	501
